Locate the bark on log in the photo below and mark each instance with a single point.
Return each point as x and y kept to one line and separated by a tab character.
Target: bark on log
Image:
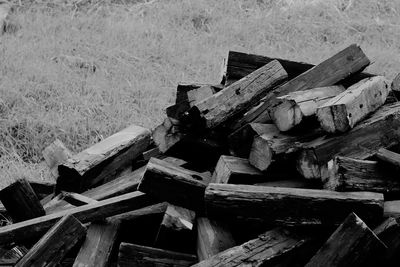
56	154
389	233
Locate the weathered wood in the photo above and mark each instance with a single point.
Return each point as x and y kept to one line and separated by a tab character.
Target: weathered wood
77	199
276	204
140	256
389	233
388	156
42	188
235	170
20	201
34	227
56	154
233	100
103	161
167	134
158	208
350	245
97	248
344	111
212	238
295	106
382	129
291	183
55	244
174	184
183	91
273	245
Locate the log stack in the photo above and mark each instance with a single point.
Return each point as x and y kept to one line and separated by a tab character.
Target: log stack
283	163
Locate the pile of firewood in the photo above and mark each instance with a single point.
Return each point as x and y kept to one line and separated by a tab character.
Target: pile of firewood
281	164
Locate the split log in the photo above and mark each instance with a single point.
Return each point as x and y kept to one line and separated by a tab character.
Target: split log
212	238
103	161
382	129
21	202
235	170
389	233
174	184
167	134
350	245
389	157
344	111
34	227
271	247
55	244
275	204
97	248
131	255
295	106
56	154
233	100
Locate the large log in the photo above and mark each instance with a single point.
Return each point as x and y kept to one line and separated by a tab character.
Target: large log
233	100
103	161
296	106
352	244
55	244
174	184
389	233
56	154
344	111
382	129
131	255
291	206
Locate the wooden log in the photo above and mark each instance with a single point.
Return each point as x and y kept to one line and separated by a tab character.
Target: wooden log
158	208
235	170
348	174
382	129
350	245
291	183
389	157
296	106
275	204
167	134
275	245
103	161
42	188
233	100
56	154
99	243
174	184
20	201
344	111
213	237
395	86
389	233
55	244
137	256
92	212
77	199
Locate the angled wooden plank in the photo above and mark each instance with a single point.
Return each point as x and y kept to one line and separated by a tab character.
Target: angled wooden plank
388	156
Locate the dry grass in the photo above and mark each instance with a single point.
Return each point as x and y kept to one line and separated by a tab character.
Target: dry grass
142	50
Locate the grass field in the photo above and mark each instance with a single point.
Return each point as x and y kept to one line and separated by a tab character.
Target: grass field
142	50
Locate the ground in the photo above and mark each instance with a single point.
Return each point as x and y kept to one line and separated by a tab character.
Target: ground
82	70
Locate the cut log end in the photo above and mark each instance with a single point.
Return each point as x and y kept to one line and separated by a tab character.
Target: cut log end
287	115
260	154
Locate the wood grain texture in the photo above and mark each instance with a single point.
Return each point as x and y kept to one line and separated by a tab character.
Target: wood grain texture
55	154
291	206
389	233
55	244
388	156
343	112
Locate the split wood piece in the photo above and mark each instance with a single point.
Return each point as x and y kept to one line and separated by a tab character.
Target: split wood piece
382	129
212	238
56	154
177	225
55	244
21	202
388	156
233	100
77	199
272	144
350	245
99	243
392	209
34	227
389	233
275	245
131	255
103	161
295	106
167	134
344	111
235	170
348	174
275	204
174	184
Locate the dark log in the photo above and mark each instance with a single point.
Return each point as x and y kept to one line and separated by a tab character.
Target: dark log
183	91
235	170
350	245
42	188
395	86
389	157
344	111
158	209
20	201
389	233
291	206
99	243
174	184
103	161
139	256
56	154
77	199
212	238
55	244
